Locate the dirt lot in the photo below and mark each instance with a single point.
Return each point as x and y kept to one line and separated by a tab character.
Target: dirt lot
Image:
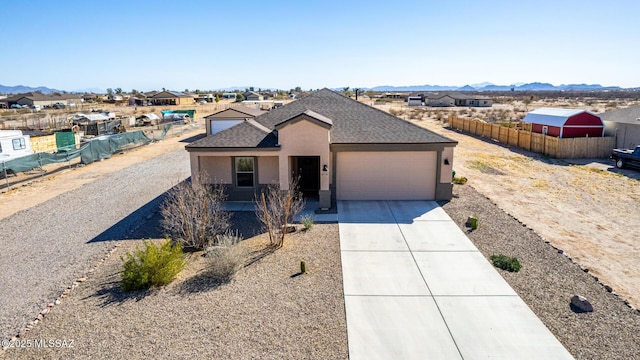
587	210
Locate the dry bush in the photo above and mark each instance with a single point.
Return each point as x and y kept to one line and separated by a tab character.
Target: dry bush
276	208
192	213
225	257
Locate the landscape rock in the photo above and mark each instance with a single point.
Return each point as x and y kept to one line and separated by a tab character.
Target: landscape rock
581	303
608	288
45	311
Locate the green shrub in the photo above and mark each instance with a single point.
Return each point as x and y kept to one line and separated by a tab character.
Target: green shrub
506	263
152	266
460	180
307	221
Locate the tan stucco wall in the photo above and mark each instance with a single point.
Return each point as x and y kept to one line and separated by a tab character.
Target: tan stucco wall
268	170
446	170
303	138
218	169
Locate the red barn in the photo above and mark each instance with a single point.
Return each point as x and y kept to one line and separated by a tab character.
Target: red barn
565	123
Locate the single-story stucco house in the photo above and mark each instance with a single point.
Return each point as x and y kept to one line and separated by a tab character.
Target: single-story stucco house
338	148
624	125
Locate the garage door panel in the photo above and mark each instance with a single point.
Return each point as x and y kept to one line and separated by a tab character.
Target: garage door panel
407	175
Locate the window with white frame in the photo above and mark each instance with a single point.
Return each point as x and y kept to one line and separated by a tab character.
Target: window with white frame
245	171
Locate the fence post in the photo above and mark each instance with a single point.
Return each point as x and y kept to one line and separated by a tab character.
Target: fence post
4	170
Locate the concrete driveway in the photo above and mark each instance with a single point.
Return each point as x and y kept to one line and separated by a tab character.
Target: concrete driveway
417	288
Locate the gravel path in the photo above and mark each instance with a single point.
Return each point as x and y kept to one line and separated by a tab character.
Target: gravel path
547	281
47	247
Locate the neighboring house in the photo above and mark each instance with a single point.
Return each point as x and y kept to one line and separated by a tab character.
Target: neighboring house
139	99
227	118
228	95
438	100
45	100
565	123
252	96
338	148
414	100
172	98
624	124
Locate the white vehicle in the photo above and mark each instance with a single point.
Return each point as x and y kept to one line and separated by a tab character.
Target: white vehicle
14	145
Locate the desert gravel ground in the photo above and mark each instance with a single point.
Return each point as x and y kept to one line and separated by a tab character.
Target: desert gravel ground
587	208
46	247
547	281
268	311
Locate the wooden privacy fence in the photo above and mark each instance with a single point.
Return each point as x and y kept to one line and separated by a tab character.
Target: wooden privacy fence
565	148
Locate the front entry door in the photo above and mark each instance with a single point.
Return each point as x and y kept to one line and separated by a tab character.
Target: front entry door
307	171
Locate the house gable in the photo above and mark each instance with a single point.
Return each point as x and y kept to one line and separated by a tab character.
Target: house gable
308	115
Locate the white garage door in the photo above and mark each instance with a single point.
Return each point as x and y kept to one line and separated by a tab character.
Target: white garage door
402	175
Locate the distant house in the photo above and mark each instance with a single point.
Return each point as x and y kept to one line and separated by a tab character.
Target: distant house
624	125
168	97
45	100
115	98
454	99
414	100
565	123
227	118
439	100
252	96
228	95
396	95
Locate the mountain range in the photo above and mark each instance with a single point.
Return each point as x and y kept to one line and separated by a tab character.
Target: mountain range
485	86
534	86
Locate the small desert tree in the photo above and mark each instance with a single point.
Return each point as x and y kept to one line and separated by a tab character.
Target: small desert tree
192	213
276	208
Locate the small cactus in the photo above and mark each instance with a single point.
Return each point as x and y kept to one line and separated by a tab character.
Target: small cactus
303	267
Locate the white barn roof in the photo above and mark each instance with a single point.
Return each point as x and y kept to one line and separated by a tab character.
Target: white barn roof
552	116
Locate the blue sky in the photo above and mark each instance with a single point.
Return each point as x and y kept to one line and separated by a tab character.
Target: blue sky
192	44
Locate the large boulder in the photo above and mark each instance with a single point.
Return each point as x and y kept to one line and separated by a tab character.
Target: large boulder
580	304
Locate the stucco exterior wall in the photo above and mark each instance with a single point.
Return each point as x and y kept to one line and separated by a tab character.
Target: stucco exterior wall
218	169
303	138
446	170
268	170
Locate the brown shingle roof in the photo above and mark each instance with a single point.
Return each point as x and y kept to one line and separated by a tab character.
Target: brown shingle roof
247	134
352	123
242	109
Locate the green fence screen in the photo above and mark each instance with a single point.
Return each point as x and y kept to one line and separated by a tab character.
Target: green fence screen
96	149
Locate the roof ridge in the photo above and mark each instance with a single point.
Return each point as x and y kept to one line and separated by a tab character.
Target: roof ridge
386	113
258	125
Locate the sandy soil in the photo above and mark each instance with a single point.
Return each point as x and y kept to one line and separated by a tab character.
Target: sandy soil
586	210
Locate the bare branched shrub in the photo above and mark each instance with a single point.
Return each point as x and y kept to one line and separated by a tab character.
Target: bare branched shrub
276	208
192	213
225	257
